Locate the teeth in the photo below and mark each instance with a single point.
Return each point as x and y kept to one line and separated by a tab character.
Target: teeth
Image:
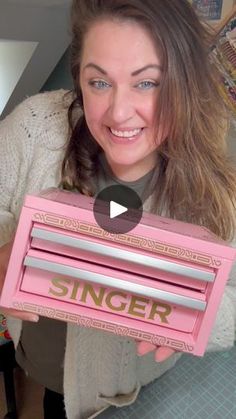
126	134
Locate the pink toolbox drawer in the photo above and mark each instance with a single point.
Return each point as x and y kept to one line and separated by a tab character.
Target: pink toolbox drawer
111	291
130	259
162	282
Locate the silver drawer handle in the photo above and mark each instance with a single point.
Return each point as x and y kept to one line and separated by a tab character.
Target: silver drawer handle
116	283
124	255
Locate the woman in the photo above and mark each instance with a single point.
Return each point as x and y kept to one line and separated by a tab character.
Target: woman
145	112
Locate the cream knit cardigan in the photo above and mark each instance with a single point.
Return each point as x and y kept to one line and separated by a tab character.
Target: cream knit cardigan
100	369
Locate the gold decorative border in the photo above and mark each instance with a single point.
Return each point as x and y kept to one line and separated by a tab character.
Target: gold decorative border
134	241
84	321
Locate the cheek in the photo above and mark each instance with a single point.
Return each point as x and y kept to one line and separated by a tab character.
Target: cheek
92	114
147	109
94	111
156	134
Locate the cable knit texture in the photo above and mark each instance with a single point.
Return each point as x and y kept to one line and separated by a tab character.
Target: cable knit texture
100	369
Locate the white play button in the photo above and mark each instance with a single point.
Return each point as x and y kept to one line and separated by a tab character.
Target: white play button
116	209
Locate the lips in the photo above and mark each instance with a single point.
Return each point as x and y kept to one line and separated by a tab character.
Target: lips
127	133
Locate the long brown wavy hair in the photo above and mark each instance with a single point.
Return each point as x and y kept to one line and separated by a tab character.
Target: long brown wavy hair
194	179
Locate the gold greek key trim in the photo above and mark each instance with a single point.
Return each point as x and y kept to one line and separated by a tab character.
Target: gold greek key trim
134	241
84	321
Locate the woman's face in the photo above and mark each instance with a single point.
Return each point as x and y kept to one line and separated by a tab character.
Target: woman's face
120	77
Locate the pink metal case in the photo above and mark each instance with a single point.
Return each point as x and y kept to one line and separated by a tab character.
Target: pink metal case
162	282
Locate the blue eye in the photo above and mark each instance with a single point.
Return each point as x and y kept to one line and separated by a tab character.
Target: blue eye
146	85
99	84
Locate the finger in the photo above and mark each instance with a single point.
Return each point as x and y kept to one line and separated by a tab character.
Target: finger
145	347
163	353
22	315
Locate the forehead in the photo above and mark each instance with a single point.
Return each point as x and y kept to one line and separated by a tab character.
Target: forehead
119	43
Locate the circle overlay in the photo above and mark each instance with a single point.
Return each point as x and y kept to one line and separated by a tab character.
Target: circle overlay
117	209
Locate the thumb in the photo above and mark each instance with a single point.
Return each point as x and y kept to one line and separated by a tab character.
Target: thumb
163	353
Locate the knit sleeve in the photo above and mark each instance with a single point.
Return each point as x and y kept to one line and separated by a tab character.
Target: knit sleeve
32	140
12	134
223	334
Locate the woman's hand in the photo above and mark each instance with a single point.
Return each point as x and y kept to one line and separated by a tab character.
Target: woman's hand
161	352
5	252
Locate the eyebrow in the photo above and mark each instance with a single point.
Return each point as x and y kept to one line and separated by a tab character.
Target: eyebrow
135	73
146	67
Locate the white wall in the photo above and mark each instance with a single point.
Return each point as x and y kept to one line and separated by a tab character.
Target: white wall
42	29
14	57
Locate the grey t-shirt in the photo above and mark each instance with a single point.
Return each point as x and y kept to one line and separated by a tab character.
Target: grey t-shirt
42	345
107	178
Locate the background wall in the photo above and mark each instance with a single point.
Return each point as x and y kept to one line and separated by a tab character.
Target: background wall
60	78
44	22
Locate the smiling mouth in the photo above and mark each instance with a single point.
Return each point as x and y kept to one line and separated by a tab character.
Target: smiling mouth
126	133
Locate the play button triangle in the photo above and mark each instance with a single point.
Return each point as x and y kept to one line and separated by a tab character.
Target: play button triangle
116	209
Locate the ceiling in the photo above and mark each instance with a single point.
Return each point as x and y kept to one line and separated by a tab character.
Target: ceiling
34	35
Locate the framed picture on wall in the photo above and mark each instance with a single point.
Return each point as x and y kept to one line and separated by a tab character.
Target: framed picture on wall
214	11
210	9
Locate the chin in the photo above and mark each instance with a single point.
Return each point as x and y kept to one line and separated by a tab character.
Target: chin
124	162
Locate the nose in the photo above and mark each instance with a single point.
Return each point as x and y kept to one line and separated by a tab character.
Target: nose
121	108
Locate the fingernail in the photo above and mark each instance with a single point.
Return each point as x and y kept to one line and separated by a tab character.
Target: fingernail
144	348
139	352
163	353
159	357
141	349
34	319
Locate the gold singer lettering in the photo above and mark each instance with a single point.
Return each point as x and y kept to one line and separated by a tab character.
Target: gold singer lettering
112	300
